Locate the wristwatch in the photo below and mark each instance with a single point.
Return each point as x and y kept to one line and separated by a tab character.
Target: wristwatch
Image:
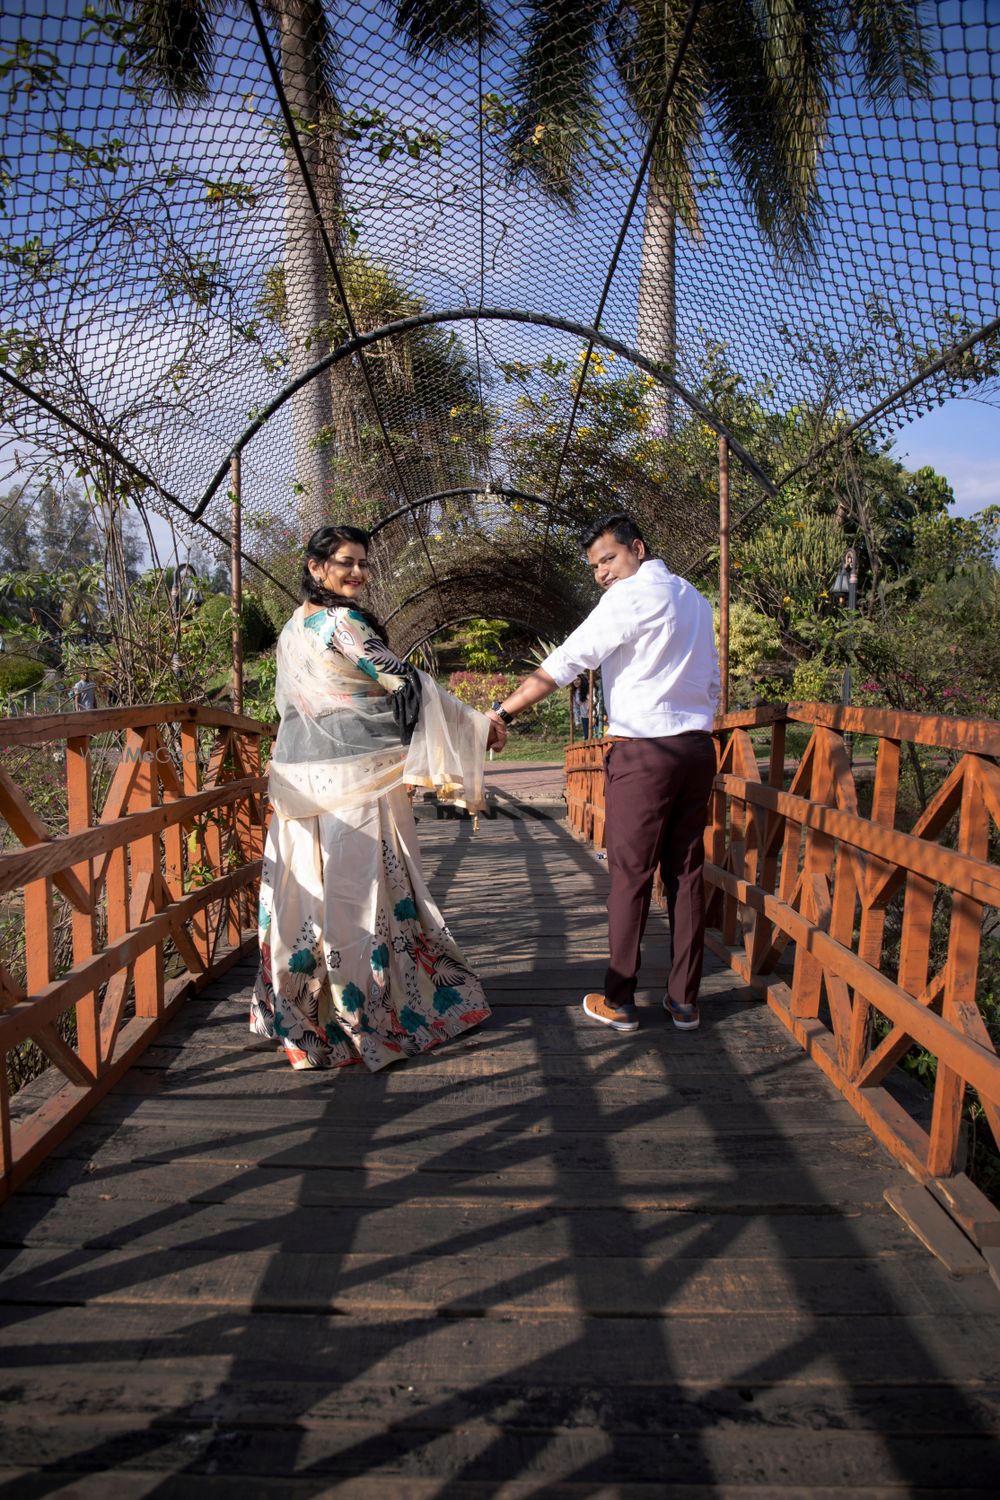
501	713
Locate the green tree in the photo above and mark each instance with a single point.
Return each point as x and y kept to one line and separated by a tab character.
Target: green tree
761	75
172	52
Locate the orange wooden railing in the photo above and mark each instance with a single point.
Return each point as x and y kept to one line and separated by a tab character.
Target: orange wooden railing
800	885
126	908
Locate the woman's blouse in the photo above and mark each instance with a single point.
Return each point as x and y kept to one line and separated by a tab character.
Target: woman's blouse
378	711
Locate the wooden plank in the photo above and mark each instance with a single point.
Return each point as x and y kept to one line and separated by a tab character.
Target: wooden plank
979	736
837	1186
480	1451
37	729
566	1352
489	1283
933	1228
112	1215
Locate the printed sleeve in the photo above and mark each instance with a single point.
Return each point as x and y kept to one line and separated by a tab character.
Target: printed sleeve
354	638
609	625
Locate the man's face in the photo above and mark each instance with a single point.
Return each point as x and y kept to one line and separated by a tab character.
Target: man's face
610	560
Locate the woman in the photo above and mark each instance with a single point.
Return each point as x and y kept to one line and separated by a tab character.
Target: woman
356	962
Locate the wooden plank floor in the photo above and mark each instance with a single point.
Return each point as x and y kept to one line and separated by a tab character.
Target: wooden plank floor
546	1261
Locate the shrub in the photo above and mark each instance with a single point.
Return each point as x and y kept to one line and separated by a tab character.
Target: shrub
18	673
257	630
480	689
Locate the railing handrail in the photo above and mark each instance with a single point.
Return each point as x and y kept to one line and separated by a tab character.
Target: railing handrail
38	728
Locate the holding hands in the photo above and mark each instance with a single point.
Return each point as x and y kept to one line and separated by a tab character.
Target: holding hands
498	732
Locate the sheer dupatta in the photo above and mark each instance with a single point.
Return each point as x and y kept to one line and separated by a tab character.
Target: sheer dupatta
339	743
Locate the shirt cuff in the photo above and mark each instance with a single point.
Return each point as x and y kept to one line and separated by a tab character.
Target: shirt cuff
559	669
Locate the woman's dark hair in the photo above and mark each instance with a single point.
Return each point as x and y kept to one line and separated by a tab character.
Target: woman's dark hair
621	526
319	548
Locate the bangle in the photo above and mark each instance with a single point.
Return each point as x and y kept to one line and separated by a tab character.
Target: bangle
501	713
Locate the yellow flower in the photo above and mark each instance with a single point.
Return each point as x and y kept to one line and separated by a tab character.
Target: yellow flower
453	412
787	599
537	133
823	594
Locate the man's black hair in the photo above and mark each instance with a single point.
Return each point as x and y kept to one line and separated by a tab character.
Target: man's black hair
621	526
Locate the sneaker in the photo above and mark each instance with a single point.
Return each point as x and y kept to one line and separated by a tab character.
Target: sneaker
598	1009
684	1017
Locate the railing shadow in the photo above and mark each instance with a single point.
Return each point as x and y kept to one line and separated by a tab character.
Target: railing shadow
591	1398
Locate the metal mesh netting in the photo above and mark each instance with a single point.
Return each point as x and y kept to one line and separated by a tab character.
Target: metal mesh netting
778	216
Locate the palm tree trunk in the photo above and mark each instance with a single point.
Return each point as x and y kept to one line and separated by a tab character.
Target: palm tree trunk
657	305
306	293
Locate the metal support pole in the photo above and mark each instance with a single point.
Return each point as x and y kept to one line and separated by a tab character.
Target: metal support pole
851	568
236	579
572	708
724	573
590	705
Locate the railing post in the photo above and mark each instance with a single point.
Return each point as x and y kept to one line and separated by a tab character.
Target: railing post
79	815
724	573
236	579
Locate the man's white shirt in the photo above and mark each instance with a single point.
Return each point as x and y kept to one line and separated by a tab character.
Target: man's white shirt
653	637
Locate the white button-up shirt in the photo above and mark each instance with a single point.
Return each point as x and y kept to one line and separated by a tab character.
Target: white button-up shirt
653	637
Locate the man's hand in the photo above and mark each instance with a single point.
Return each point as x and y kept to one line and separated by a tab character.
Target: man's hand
498	733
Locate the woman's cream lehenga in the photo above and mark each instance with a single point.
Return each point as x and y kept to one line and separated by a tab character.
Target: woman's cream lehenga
357	964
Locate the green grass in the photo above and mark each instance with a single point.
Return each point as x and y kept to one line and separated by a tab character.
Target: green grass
531	749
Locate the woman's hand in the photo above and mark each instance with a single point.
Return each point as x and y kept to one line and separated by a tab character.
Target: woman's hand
498	734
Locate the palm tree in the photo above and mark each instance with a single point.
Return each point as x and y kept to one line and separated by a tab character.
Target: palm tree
762	73
173	53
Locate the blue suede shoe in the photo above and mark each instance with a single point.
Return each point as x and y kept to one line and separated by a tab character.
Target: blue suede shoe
684	1017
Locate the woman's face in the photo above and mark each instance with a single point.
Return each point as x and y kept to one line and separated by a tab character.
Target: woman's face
345	570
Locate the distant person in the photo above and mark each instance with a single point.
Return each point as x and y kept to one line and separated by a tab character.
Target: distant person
580	706
356	963
84	692
653	638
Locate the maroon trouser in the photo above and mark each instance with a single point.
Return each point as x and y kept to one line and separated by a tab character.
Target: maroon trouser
656	801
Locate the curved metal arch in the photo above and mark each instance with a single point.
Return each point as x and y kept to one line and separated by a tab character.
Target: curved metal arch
452	620
428	588
485	315
500	492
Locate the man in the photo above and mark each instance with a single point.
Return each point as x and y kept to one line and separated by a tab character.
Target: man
84	692
653	637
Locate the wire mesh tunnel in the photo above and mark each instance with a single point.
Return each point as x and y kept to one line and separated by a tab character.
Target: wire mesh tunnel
472	274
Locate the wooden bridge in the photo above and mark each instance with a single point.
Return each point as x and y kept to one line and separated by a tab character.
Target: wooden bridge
547	1261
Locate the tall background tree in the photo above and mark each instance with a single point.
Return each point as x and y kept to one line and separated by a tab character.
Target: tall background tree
173	53
759	75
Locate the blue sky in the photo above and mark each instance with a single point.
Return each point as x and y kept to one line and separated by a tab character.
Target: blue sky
961	440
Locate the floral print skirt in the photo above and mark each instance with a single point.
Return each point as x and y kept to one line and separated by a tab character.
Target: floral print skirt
356	962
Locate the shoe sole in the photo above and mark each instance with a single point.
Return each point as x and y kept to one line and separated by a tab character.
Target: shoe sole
605	1021
683	1025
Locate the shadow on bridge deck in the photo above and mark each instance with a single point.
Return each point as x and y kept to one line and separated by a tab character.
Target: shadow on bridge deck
546	1261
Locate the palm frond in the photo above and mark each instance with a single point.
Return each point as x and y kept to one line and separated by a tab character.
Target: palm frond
173	48
556	114
436	27
893	48
644	37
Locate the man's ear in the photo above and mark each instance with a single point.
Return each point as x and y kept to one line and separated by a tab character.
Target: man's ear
639	548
